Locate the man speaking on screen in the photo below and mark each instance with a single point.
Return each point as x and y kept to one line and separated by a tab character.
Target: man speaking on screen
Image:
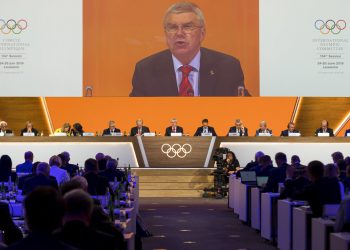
186	68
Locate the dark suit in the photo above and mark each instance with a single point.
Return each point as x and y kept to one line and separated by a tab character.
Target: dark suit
200	130
277	175
169	130
220	75
39	180
71	169
134	130
234	130
325	190
260	131
33	131
77	234
7	131
320	130
40	241
107	131
112	174
286	132
97	185
347	132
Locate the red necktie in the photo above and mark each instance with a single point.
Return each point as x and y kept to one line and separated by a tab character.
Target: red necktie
185	86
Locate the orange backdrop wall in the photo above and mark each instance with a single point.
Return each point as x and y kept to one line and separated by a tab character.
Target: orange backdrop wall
119	33
94	113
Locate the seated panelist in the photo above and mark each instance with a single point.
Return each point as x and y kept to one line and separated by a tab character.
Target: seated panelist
139	129
238	128
205	128
29	129
174	128
4	129
324	129
111	129
263	129
77	129
347	133
290	129
66	128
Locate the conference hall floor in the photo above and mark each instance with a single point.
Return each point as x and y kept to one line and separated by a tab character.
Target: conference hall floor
196	223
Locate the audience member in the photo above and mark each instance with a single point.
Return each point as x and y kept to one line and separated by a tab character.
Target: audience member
331	170
97	185
277	175
346	181
296	181
26	166
265	166
23	178
112	172
61	175
76	220
341	164
44	209
99	156
71	169
342	221
10	232
6	169
322	190
41	179
336	156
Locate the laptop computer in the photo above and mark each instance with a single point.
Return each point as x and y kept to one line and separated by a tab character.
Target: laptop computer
248	177
261	181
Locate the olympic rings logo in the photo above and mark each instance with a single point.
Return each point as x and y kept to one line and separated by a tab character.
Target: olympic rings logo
16	27
176	150
330	26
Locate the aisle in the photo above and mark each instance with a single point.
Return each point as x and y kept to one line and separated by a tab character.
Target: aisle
196	223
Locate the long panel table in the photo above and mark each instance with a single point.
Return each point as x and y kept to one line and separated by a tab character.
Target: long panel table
172	152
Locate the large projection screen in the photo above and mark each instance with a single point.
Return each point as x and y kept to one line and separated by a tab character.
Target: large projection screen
41	48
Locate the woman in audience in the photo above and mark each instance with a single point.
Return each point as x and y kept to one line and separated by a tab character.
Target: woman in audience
6	169
29	129
11	233
66	128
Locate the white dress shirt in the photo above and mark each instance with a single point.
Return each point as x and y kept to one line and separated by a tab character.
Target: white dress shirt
60	174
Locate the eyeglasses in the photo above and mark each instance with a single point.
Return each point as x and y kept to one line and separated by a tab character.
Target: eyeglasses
186	28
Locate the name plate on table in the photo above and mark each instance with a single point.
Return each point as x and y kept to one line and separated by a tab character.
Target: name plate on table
149	134
294	134
207	134
116	134
264	134
88	134
2	134
28	134
348	135
323	134
234	134
175	134
60	134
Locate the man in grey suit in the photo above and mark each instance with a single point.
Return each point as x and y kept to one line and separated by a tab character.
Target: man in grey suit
186	68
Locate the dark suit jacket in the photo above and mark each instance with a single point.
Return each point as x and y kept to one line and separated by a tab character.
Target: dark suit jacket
40	241
169	130
277	175
97	185
346	132
220	75
134	130
285	132
39	181
71	169
112	174
325	190
234	130
77	234
259	131
199	131
33	131
320	130
108	132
